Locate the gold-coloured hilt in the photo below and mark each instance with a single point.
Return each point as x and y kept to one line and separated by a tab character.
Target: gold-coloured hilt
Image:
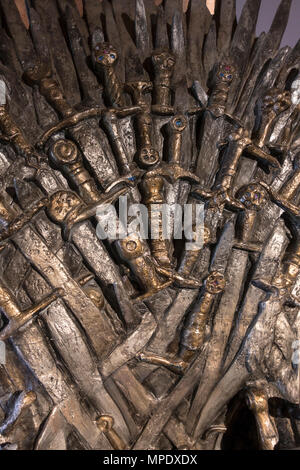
105	424
68	210
41	76
224	74
105	57
176	127
132	250
145	151
273	103
193	333
18	319
254	197
12	133
191	254
153	186
257	402
65	155
163	62
236	145
285	198
153	197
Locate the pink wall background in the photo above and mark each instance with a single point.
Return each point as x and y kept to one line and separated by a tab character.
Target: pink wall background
266	15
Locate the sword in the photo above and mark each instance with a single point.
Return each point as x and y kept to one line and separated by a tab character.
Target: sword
193	331
245	366
18	319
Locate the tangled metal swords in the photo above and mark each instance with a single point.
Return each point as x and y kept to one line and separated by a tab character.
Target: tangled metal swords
240	143
16	318
153	189
193	332
41	76
221	192
285	198
246	366
11	133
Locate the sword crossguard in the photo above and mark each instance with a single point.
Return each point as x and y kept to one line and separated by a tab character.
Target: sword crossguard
172	172
77	117
18	319
174	364
218	199
130	180
179	279
15	224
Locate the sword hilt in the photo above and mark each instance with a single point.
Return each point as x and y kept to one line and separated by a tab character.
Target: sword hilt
41	76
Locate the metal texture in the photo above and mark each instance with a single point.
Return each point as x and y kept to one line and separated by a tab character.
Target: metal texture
135	343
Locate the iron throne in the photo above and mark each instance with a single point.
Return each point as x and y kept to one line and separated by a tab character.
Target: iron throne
148	344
